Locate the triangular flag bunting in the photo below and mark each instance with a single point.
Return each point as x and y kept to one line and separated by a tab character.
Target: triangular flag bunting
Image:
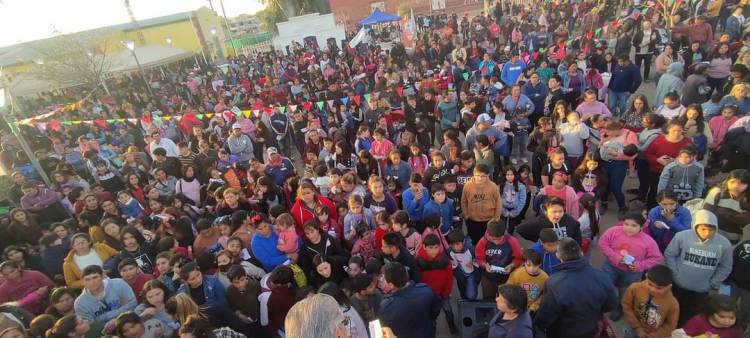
268	110
306	105
466	76
101	123
293	108
246	113
256	112
367	97
358	100
227	115
110	120
282	109
133	121
400	91
66	123
209	115
345	100
88	122
330	104
199	116
597	31
178	117
157	118
167	117
320	105
120	120
42	125
55	125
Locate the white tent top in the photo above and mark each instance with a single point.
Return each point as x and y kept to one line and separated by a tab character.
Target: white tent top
149	56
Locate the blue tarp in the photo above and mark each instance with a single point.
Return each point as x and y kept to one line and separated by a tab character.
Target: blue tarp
378	17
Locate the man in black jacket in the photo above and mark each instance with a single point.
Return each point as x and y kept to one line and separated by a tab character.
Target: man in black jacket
411	308
394	251
575	297
645	41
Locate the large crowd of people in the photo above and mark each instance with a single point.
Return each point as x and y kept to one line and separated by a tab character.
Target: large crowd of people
323	190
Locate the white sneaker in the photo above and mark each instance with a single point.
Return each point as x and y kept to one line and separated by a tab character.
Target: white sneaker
524	160
514	161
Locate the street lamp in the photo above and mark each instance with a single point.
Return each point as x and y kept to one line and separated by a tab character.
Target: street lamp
169	40
10	119
130	44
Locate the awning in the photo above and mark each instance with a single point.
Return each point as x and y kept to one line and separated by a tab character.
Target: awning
149	56
378	17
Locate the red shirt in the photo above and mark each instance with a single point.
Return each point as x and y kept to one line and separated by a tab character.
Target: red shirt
138	283
660	147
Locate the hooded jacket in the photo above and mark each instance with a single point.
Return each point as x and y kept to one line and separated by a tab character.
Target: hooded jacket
549	259
327	246
685	181
695	90
436	272
680	222
574	299
445	210
671	81
118	298
567	227
699	265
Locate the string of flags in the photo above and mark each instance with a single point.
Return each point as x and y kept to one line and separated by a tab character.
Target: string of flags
227	115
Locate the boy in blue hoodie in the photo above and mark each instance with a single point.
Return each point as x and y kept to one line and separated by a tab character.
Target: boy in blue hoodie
103	299
546	247
440	205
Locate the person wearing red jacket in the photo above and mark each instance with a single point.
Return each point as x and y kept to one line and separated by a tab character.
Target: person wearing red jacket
498	254
437	272
662	151
308	199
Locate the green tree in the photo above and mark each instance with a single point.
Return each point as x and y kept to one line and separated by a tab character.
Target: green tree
281	10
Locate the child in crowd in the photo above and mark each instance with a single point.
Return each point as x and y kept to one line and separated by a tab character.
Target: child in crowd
720	124
357	212
514	198
384	225
521	127
441	205
365	297
418	161
321	179
531	278
560	189
107	177
412	238
453	193
128	205
546	247
288	239
364	244
465	269
719	319
328	224
684	177
667	219
432	226
556	164
498	254
629	252
589	221
650	308
435	271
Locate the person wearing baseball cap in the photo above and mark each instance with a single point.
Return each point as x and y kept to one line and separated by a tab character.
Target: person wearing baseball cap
240	145
483	126
278	167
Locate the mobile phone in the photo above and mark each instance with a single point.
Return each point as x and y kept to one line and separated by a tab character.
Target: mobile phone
725	290
376	331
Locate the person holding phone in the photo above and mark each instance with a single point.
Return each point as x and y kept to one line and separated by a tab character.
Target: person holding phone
662	151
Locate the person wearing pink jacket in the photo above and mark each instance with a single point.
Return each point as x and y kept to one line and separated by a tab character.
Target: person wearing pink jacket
719	125
629	252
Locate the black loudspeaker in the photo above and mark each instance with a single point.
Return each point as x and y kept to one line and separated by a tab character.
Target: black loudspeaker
311	41
474	317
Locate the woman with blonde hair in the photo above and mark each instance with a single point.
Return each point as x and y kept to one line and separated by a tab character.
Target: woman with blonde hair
738	97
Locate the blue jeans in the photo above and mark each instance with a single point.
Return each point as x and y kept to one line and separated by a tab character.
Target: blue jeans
468	284
618	100
621	279
616	172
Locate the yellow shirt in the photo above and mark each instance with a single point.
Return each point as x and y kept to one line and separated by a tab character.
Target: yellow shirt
533	285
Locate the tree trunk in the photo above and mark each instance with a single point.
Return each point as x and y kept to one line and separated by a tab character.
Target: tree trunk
136	26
